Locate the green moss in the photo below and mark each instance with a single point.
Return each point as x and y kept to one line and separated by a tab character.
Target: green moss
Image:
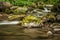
30	18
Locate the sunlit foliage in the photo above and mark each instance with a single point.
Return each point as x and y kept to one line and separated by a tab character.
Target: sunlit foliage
28	2
30	18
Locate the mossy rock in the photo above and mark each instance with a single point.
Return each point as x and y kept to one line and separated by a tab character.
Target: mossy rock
20	10
30	18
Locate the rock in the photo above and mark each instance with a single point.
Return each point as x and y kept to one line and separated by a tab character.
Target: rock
15	17
3	17
7	4
13	7
49	33
4	5
56	28
11	17
20	10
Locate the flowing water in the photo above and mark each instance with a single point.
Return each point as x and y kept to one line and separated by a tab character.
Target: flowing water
10	30
9	22
15	32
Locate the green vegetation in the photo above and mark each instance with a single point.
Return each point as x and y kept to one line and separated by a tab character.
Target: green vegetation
30	18
29	2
